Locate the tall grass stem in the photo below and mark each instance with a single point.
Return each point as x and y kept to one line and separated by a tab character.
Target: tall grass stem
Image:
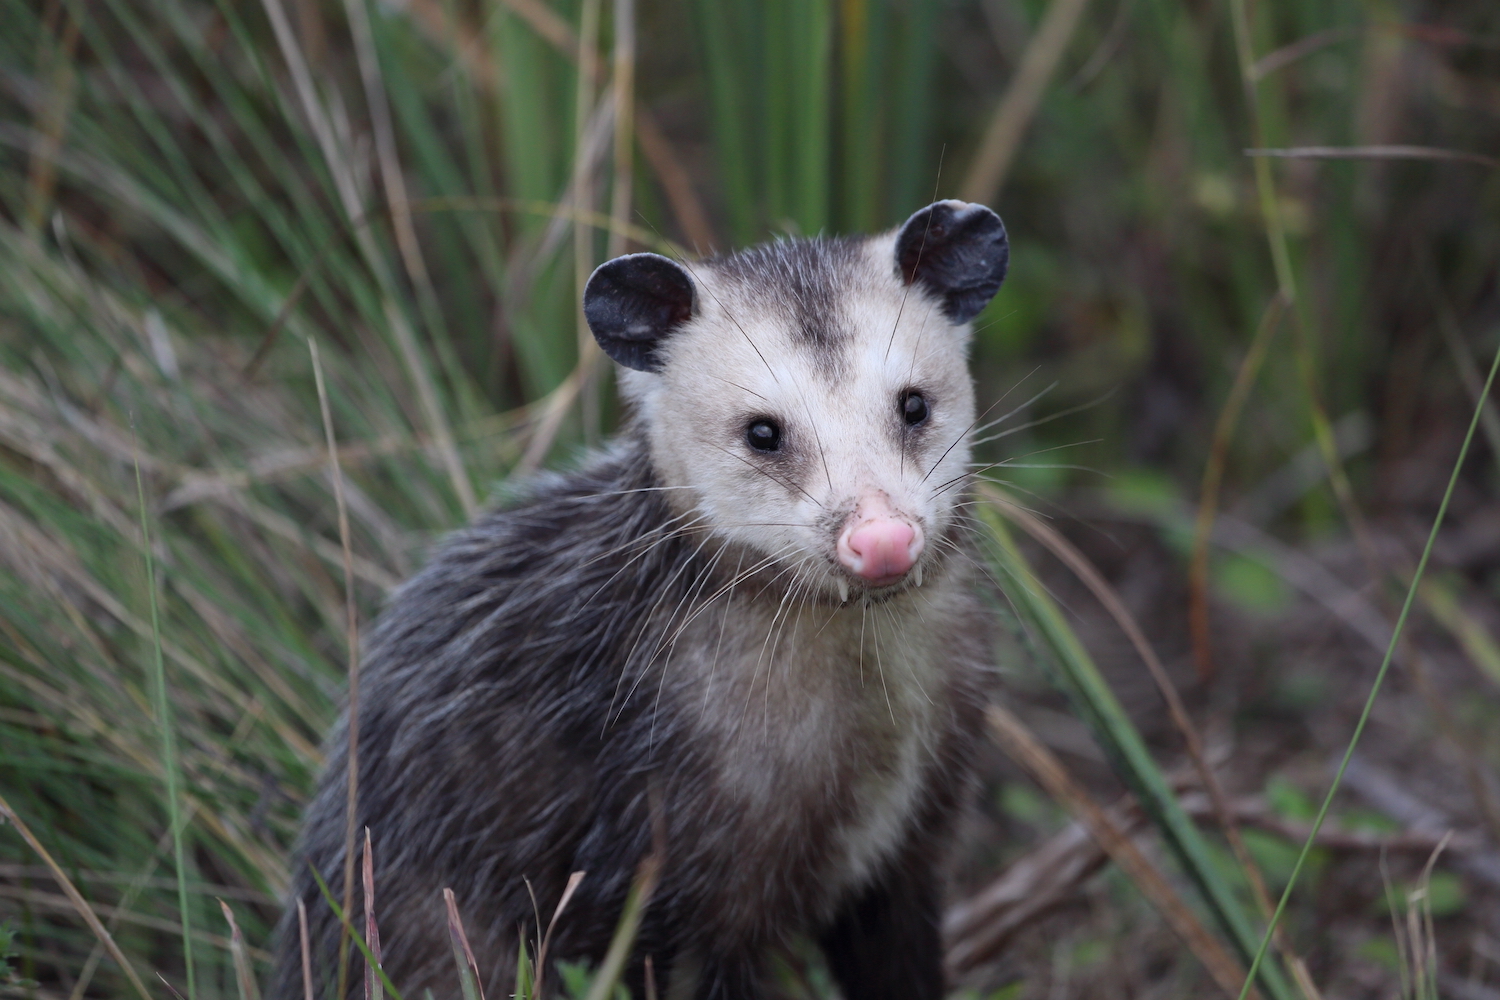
351	612
162	706
1385	664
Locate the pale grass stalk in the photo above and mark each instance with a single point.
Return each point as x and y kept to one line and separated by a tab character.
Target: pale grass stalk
306	947
675	180
340	165
1106	595
373	990
410	250
1213	477
162	706
244	976
1002	138
583	193
463	956
350	609
562	903
613	966
1023	747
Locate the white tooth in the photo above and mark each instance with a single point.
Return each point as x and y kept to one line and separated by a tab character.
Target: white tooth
917	576
843	586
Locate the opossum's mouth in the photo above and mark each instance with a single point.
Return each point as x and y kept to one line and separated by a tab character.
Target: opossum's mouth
850	587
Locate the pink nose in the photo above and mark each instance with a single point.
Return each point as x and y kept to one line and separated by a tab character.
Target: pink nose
879	548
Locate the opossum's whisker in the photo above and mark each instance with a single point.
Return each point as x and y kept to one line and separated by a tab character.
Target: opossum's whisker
910	279
774	479
761	658
740	577
718	525
664	534
864	616
646	621
742	388
645	667
960	438
799	587
1044	420
1013	463
911	371
1019	489
880	667
719	645
1047	465
811	422
915	677
837	607
713	295
626	492
698	585
1019	409
669	641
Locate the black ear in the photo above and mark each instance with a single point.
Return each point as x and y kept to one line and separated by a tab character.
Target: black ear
633	302
958	251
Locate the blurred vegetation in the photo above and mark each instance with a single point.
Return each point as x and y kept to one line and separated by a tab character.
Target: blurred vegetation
191	191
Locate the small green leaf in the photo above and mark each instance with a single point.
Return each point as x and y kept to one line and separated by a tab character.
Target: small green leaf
1288	801
1250	585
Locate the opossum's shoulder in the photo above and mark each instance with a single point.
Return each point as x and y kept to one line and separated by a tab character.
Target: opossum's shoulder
541	556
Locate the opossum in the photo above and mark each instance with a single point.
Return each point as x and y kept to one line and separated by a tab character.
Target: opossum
747	638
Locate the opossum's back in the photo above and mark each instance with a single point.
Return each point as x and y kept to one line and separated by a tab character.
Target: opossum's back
487	684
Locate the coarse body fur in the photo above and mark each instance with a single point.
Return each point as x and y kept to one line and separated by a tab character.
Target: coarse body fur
656	654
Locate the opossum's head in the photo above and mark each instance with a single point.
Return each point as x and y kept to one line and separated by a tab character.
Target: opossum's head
810	400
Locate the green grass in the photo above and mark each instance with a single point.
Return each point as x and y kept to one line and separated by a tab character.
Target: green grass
192	190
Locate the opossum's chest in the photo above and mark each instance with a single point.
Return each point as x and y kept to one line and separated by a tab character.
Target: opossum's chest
824	723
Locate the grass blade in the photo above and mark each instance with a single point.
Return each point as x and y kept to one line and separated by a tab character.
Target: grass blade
463	955
306	948
162	705
610	970
76	898
1385	664
371	961
1117	736
244	976
1028	751
372	928
352	640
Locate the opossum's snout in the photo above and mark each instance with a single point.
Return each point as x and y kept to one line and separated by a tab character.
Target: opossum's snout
877	544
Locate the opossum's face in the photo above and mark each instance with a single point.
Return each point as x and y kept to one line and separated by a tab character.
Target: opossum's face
811	400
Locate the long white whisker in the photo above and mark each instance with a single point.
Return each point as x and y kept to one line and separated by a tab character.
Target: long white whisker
738	579
774	479
720	302
966	433
1010	413
1043	420
713	667
879	666
749	691
670	649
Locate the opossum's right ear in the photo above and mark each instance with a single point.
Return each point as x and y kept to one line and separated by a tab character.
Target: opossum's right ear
958	251
633	303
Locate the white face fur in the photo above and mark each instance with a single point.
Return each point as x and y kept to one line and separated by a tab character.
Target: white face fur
837	400
795	390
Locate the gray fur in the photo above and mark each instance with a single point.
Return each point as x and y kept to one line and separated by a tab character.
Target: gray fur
810	278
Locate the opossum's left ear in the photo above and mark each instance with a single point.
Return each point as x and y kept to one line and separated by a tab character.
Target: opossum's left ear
633	303
958	251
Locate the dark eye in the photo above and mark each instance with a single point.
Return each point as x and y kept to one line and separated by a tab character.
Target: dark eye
764	435
913	408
